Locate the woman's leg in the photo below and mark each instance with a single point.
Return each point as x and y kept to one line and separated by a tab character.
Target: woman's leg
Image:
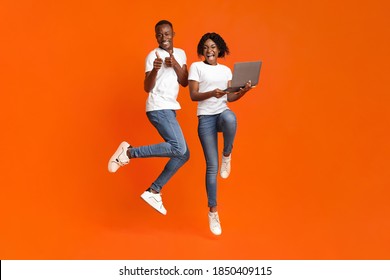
227	124
208	135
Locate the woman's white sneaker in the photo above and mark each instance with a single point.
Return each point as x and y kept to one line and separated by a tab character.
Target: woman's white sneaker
215	225
119	158
225	166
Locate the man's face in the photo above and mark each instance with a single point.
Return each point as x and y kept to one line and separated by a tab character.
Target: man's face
164	36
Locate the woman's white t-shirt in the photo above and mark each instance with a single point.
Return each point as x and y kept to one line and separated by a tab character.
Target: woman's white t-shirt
165	91
210	77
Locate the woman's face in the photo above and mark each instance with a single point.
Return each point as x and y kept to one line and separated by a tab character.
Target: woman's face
210	52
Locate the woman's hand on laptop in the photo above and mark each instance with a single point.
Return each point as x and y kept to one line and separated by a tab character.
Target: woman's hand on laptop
248	86
218	93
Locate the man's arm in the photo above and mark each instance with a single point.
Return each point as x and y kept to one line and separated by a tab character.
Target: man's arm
150	80
150	77
182	74
181	71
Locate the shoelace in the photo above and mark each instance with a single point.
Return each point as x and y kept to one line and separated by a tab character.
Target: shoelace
225	164
159	195
214	219
122	162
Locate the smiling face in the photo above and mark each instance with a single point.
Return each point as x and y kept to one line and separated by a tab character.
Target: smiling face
210	52
164	36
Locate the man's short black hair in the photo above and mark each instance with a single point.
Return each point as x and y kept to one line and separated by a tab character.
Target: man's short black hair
161	22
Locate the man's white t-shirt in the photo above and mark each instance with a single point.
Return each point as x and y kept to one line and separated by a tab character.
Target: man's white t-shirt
164	93
210	77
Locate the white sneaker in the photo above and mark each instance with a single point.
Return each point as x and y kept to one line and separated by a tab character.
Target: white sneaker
154	200
215	225
225	166
119	158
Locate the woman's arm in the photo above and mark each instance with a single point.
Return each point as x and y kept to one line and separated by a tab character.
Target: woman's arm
234	96
199	96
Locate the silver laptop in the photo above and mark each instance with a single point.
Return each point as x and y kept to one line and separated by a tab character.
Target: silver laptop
244	72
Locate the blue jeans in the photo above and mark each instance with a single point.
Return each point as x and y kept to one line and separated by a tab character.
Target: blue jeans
208	128
174	147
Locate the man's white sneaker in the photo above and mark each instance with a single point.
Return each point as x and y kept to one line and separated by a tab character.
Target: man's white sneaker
225	166
154	200
119	158
215	225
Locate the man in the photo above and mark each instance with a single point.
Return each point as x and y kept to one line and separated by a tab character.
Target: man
165	70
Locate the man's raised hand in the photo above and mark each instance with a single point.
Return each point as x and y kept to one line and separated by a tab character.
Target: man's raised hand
170	60
157	62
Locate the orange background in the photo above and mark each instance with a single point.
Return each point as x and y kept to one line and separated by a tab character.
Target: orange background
310	176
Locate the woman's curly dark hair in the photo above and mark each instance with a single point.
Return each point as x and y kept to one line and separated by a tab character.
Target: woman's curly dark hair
218	40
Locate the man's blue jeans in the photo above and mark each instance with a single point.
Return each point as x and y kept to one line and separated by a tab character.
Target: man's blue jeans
208	128
174	147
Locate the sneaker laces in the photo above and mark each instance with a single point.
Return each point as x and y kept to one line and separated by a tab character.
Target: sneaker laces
158	195
120	159
225	163
214	219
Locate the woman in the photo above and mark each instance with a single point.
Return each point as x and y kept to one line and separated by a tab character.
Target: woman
207	81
